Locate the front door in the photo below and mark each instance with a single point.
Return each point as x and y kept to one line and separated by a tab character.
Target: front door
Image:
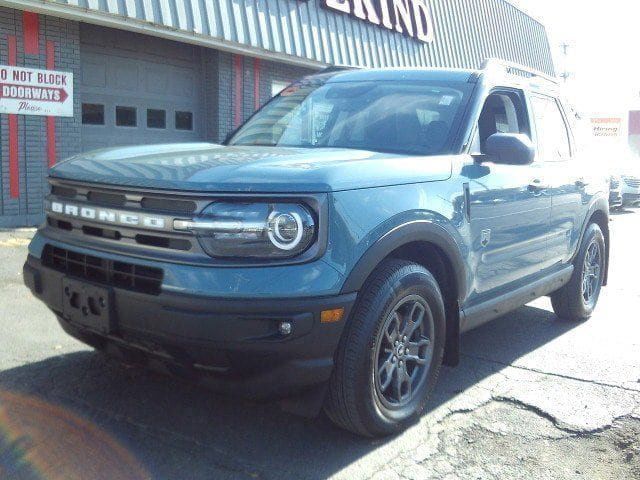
510	209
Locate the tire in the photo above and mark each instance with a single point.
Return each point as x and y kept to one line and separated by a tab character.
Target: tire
356	399
570	302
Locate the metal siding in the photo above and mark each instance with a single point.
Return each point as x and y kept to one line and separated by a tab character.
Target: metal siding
476	27
466	31
466	51
487	30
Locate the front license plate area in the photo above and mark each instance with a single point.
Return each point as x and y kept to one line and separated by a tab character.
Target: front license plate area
88	305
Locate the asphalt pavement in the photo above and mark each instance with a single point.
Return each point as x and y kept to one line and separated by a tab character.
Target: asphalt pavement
534	397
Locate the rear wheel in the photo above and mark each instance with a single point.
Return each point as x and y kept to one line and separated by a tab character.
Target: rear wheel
577	300
391	352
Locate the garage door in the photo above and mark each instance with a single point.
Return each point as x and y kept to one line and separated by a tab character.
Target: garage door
137	89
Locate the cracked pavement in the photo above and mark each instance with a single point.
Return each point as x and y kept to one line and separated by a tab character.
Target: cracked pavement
533	397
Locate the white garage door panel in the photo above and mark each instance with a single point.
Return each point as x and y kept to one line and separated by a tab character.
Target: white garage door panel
138	77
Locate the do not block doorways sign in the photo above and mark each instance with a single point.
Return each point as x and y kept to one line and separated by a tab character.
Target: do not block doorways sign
30	91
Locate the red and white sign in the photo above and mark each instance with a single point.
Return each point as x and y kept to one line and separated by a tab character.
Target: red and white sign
607	127
29	91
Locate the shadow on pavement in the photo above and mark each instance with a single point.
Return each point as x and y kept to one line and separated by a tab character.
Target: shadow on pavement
178	430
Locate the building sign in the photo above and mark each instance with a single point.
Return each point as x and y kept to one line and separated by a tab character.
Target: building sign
29	91
606	127
409	17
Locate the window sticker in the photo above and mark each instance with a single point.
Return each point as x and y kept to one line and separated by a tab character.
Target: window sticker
447	100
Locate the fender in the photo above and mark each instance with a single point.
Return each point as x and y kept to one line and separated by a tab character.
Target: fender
600	204
410	232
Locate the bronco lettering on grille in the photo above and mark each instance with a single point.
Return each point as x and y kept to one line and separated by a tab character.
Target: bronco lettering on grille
107	215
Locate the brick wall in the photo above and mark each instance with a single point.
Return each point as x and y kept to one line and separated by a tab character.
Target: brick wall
32	134
224	96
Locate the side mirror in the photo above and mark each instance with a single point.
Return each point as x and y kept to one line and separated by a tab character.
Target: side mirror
510	149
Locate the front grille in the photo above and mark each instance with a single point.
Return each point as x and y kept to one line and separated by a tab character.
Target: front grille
182	207
108	197
157	205
65	192
633	182
124	275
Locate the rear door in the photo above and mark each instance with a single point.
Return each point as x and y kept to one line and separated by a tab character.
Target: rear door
566	184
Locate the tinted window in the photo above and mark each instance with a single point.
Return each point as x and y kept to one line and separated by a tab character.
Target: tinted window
156	118
92	114
392	116
184	121
126	117
551	129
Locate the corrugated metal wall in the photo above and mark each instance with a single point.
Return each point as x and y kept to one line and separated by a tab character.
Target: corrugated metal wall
466	31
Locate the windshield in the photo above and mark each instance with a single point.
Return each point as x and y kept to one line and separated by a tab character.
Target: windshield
398	117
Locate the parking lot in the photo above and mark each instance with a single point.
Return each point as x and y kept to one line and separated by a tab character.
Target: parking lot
533	398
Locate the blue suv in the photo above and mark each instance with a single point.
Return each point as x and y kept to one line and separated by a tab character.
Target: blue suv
334	249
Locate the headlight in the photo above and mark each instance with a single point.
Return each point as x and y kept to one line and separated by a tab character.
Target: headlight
252	230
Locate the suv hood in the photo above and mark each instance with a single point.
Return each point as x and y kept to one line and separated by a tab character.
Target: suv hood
216	168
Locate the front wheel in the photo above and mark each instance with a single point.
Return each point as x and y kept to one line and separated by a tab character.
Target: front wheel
391	352
577	300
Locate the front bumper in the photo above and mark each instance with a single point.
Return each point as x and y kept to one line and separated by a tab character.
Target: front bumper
232	345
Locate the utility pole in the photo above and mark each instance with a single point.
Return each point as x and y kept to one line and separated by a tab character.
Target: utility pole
565	75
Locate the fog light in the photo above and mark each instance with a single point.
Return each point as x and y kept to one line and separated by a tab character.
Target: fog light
285	328
332	316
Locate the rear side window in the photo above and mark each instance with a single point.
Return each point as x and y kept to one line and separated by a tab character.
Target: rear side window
552	133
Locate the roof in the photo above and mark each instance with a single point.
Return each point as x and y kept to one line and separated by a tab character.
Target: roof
410	74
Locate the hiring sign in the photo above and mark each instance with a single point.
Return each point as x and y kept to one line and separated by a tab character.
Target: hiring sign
29	91
607	127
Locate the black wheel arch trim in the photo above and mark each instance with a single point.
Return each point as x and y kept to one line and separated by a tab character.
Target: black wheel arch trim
410	232
600	204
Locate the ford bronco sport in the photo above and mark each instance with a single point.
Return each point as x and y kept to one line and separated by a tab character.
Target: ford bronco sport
337	245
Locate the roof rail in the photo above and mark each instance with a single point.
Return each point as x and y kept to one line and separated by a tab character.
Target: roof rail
516	69
339	68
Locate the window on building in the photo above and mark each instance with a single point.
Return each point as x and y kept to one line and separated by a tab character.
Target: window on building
156	118
277	86
551	130
126	117
184	121
92	114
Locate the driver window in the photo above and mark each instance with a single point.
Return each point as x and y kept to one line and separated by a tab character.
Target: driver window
503	112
